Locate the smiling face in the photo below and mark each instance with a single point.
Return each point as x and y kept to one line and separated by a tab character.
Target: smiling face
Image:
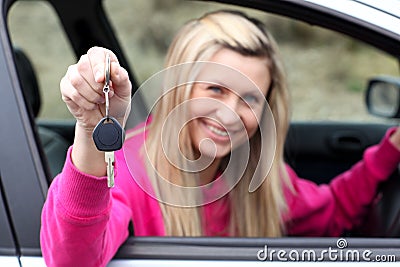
227	106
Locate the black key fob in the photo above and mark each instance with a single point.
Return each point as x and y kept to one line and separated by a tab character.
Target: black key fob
108	135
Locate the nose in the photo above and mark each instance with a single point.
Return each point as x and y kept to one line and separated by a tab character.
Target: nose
228	111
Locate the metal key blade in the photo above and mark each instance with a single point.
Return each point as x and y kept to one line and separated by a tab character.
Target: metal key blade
109	158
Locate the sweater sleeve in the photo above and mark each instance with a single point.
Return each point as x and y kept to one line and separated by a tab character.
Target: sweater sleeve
329	210
83	221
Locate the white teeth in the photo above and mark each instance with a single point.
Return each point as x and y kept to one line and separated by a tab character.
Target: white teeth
217	131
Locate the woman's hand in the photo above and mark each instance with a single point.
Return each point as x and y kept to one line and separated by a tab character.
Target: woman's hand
395	138
82	91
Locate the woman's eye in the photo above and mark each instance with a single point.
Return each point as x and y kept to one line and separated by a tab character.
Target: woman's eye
215	89
250	99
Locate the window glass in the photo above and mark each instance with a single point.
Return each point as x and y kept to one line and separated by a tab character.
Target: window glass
41	37
327	72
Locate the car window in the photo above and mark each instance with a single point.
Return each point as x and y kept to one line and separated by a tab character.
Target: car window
327	72
41	38
325	69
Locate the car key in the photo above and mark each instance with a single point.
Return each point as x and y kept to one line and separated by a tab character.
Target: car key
108	135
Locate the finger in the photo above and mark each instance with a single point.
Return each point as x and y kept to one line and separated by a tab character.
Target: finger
97	59
82	79
86	90
72	107
72	97
120	80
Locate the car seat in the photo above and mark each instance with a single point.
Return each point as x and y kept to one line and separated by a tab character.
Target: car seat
53	146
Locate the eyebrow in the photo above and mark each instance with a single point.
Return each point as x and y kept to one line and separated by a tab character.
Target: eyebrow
218	83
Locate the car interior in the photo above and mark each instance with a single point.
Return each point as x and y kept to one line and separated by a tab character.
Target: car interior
53	145
382	220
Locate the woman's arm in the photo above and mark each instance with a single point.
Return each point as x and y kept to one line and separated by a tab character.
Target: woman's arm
329	210
83	221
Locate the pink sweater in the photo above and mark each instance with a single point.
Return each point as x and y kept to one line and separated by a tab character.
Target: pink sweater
84	222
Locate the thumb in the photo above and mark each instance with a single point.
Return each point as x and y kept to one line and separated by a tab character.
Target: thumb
120	81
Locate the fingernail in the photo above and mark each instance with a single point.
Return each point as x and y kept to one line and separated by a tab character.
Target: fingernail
97	76
115	67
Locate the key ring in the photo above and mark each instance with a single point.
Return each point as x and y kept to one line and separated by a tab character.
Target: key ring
106	88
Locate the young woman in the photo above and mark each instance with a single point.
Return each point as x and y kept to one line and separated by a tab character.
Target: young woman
170	179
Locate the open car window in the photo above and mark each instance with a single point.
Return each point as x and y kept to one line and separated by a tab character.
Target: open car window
327	73
42	39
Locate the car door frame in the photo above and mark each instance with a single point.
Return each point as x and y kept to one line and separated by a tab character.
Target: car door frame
28	179
23	178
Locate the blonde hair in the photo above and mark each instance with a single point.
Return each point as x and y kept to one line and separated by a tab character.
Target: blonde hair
255	214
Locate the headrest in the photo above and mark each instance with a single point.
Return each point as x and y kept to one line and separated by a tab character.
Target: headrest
28	81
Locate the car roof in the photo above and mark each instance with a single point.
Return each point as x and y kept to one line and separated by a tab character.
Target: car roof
384	14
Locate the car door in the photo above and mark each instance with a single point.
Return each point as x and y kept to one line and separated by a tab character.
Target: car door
8	250
318	148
